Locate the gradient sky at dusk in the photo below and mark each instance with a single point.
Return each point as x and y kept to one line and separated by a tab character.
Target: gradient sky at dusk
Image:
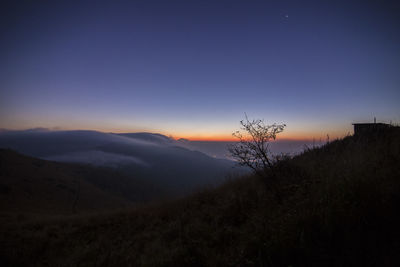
193	68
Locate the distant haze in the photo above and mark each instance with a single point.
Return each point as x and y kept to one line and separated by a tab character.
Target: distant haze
66	143
155	158
219	149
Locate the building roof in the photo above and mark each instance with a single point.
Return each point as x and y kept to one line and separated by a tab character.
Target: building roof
370	123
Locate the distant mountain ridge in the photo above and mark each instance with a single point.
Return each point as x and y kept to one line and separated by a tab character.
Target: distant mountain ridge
154	157
150	137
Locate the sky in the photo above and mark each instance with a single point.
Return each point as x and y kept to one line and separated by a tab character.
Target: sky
192	69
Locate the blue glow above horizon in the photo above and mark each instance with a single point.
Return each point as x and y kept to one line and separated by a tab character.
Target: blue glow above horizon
194	68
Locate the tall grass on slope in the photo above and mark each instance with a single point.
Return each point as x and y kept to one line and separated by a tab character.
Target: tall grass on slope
339	207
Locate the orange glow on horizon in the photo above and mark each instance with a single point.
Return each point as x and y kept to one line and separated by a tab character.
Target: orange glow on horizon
281	137
213	136
306	133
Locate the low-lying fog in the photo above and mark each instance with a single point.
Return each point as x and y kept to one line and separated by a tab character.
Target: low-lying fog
178	165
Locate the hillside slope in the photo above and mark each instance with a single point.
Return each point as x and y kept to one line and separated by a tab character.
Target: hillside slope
30	185
151	157
331	206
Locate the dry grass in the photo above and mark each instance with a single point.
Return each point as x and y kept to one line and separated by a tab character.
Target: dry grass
339	207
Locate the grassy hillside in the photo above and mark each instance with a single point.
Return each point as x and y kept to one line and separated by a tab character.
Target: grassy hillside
337	205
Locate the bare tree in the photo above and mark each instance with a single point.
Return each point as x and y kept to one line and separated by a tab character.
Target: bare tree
253	150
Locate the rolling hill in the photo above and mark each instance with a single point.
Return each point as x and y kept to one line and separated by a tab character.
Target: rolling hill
338	206
151	157
31	185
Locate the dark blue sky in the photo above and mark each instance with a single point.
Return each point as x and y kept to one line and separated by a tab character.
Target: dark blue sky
193	68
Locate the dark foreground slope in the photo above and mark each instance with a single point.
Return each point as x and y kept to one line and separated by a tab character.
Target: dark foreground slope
29	186
337	205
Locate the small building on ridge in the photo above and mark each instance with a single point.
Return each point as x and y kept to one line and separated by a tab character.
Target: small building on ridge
369	128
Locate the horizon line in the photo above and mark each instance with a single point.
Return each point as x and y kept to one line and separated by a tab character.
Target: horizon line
194	138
